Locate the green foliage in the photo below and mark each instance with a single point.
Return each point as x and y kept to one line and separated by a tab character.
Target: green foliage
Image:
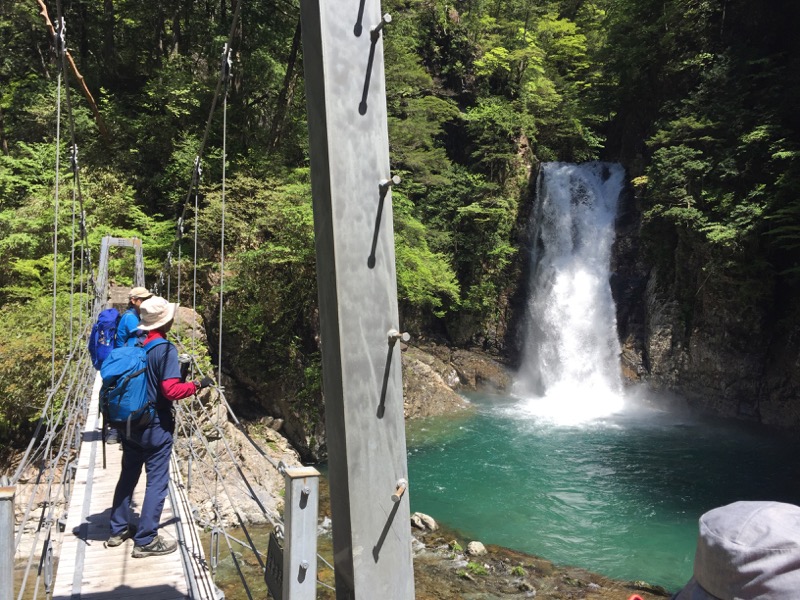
718	158
27	171
26	358
495	127
271	296
476	568
706	85
425	279
414	138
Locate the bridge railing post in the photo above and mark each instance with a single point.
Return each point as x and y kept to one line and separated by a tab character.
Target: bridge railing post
7	493
300	530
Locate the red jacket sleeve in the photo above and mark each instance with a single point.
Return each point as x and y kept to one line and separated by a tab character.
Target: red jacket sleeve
173	389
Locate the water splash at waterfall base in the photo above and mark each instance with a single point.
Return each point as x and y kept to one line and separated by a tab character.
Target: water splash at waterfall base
569	371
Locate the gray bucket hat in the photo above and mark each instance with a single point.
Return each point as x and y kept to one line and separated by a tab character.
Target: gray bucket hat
747	551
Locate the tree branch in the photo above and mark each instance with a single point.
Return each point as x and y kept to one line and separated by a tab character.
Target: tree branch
81	82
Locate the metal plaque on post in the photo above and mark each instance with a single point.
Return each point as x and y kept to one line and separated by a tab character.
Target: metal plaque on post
273	573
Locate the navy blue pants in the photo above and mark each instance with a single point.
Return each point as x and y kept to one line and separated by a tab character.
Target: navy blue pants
156	464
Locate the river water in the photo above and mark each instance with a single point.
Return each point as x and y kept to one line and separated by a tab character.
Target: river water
619	495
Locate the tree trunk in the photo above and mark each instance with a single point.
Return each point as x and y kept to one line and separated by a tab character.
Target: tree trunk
3	140
177	33
287	90
83	34
81	81
109	47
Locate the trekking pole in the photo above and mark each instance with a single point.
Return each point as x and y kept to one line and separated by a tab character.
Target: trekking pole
103	437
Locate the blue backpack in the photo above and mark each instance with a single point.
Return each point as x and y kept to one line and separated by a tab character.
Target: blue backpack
104	332
123	397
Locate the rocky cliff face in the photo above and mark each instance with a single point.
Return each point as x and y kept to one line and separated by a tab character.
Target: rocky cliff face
703	325
434	376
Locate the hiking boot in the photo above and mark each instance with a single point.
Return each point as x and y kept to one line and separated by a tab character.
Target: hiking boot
158	547
112	437
119	539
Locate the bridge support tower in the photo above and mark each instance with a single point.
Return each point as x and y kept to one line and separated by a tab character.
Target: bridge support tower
351	185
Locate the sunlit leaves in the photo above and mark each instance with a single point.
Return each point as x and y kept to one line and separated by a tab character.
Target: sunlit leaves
425	279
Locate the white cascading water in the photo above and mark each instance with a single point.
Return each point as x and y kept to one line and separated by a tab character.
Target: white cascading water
570	372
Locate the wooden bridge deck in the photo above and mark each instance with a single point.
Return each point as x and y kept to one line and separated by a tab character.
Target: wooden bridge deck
86	568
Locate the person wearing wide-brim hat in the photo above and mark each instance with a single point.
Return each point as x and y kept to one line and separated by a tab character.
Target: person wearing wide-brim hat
747	551
127	328
151	446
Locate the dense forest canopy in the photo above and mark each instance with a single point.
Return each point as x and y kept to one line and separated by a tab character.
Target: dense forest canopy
696	97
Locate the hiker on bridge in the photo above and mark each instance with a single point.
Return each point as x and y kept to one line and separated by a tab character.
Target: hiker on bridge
150	444
127	332
128	335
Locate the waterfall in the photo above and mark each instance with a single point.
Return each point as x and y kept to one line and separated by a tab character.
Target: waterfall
570	371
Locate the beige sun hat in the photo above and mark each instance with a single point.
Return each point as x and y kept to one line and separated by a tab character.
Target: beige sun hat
140	292
156	312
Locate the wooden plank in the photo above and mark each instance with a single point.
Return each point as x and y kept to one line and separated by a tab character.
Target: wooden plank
156	592
110	581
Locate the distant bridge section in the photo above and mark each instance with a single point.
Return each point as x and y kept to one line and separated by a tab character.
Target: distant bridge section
102	284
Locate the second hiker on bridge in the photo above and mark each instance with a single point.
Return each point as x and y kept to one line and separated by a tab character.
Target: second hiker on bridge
151	445
128	335
127	332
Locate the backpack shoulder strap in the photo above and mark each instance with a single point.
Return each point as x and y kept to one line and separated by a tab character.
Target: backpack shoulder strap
157	342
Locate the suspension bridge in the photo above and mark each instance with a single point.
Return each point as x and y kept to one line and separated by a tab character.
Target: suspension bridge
66	482
54	508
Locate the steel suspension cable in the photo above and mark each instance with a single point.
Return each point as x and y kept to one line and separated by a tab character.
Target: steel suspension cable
189	416
61	44
47	521
189	433
226	74
241	521
77	346
194	261
233	416
235	463
55	226
208	525
63	419
80	285
191	535
196	429
239	570
49	465
42	451
72	245
194	183
277	522
180	260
